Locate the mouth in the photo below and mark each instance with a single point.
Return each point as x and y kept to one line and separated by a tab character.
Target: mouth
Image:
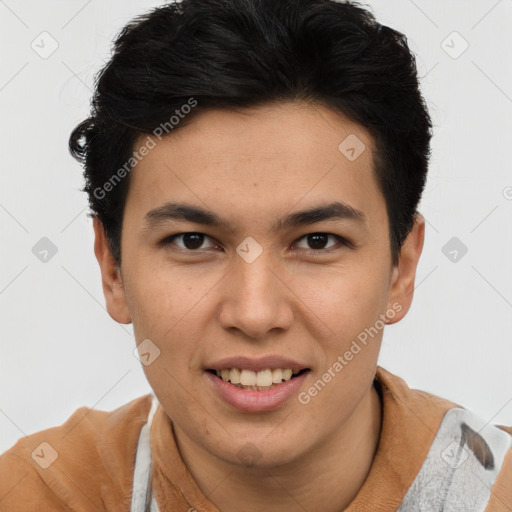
263	380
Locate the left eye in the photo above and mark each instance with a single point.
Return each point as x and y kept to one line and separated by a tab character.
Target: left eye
192	242
319	240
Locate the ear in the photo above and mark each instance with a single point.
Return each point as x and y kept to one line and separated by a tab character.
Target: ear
111	278
403	275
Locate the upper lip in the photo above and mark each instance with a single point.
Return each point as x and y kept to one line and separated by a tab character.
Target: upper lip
256	365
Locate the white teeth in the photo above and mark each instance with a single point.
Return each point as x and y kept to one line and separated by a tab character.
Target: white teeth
263	379
248	378
287	374
234	376
277	376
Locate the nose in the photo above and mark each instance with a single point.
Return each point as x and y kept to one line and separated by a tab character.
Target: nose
256	299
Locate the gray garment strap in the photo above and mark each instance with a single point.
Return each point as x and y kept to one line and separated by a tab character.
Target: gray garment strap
461	466
142	493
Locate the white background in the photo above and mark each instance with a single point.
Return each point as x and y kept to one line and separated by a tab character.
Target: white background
60	350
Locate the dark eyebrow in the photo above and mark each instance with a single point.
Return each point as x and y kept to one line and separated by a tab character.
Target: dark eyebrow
190	213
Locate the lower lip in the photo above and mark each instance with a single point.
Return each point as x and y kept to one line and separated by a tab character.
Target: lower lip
247	400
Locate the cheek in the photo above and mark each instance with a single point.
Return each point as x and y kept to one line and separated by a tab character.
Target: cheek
159	299
345	300
166	314
352	308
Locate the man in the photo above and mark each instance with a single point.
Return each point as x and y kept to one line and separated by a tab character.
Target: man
254	169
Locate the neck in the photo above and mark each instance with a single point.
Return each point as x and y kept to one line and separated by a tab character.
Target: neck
332	474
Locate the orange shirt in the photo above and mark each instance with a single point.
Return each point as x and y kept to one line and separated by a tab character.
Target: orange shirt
88	463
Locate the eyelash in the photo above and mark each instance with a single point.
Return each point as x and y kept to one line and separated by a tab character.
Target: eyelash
312	252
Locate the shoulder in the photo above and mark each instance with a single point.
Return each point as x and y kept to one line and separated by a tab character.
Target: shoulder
500	499
85	463
464	462
468	464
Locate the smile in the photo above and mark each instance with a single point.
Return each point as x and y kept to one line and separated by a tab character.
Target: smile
251	391
257	381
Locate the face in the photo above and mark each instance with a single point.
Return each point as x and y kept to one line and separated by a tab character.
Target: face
253	285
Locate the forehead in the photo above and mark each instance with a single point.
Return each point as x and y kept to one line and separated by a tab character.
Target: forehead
263	159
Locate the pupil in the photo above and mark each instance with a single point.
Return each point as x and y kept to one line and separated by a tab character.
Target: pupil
317	238
194	239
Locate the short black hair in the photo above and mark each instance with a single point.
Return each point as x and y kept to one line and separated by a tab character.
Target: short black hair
246	53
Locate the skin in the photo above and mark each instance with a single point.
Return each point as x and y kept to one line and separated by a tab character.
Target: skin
252	167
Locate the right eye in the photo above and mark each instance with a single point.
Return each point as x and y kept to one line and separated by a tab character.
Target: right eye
191	242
